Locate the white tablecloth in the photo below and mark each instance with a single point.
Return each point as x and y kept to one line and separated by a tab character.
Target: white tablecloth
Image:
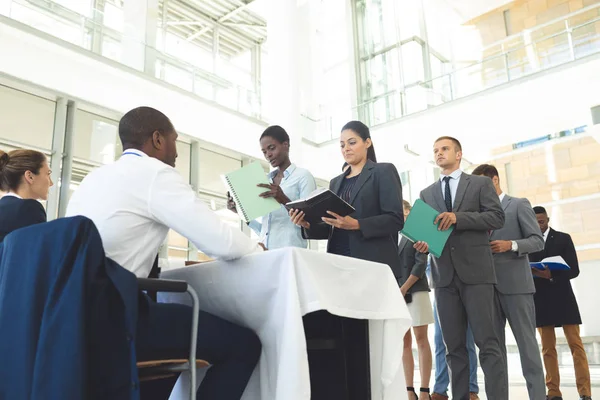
270	292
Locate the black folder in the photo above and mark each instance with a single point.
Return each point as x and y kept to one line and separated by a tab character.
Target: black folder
318	203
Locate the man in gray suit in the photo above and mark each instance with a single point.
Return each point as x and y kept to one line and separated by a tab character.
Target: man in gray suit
463	277
519	237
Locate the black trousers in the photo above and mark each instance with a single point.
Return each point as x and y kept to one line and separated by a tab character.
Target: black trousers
163	332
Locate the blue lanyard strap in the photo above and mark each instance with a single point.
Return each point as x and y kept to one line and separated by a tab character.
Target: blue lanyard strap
133	154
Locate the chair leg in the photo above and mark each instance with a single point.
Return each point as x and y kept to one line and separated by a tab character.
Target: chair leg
194	339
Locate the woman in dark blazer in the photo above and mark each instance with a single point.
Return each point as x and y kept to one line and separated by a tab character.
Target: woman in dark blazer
375	191
25	179
415	289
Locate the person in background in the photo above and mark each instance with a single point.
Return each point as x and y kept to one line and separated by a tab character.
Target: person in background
556	306
415	289
287	183
134	202
511	244
25	179
375	191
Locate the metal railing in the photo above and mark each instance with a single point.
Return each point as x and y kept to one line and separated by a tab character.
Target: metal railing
566	39
91	34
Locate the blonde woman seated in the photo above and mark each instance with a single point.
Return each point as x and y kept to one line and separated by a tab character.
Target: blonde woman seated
415	289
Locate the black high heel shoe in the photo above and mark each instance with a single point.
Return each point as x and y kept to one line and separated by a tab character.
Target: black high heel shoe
425	390
412	389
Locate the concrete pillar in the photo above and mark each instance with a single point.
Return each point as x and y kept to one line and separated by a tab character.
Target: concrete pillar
140	21
288	67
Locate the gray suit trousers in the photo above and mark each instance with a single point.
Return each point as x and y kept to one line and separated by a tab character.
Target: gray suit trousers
519	310
457	304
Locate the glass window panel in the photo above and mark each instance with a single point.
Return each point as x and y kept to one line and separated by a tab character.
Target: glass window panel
586	40
182	165
228	97
26	118
408	18
111	48
95	138
416	99
212	165
113	17
384	73
188	51
83	7
178	77
553	51
49	23
412	63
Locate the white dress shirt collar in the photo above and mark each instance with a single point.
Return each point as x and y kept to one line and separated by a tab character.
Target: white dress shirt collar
545	234
455	175
288	171
134	152
13	195
502	196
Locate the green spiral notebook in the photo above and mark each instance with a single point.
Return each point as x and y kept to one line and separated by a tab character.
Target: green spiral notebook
419	227
242	185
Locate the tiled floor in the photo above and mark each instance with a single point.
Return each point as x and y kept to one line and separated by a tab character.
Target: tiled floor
518	390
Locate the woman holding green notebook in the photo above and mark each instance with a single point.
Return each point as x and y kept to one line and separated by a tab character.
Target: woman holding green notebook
287	182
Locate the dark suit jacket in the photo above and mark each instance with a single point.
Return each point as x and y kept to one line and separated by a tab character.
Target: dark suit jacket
555	302
67	316
377	198
17	213
412	263
467	252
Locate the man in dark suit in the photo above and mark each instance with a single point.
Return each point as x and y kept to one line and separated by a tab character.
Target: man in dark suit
464	277
556	306
511	244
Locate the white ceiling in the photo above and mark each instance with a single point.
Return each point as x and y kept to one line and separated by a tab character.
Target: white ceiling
469	9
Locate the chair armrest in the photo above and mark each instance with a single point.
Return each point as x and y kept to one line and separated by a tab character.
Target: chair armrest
162	285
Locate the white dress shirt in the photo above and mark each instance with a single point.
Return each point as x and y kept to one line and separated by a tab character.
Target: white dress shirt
501	195
455	178
545	234
514	244
277	229
133	203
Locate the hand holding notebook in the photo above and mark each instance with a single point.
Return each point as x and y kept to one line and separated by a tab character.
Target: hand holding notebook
420	227
556	263
243	188
316	205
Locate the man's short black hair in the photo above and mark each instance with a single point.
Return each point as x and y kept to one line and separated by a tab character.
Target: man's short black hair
138	125
276	132
539	210
486	170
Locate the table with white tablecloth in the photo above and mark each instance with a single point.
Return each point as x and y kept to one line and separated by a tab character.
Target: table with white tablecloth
270	292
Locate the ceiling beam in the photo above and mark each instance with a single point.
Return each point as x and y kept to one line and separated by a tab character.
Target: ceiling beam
188	13
244	24
224	18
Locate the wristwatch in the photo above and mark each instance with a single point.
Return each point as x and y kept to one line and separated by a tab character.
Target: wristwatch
514	246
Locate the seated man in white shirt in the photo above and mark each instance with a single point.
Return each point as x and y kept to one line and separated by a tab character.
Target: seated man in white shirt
133	203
